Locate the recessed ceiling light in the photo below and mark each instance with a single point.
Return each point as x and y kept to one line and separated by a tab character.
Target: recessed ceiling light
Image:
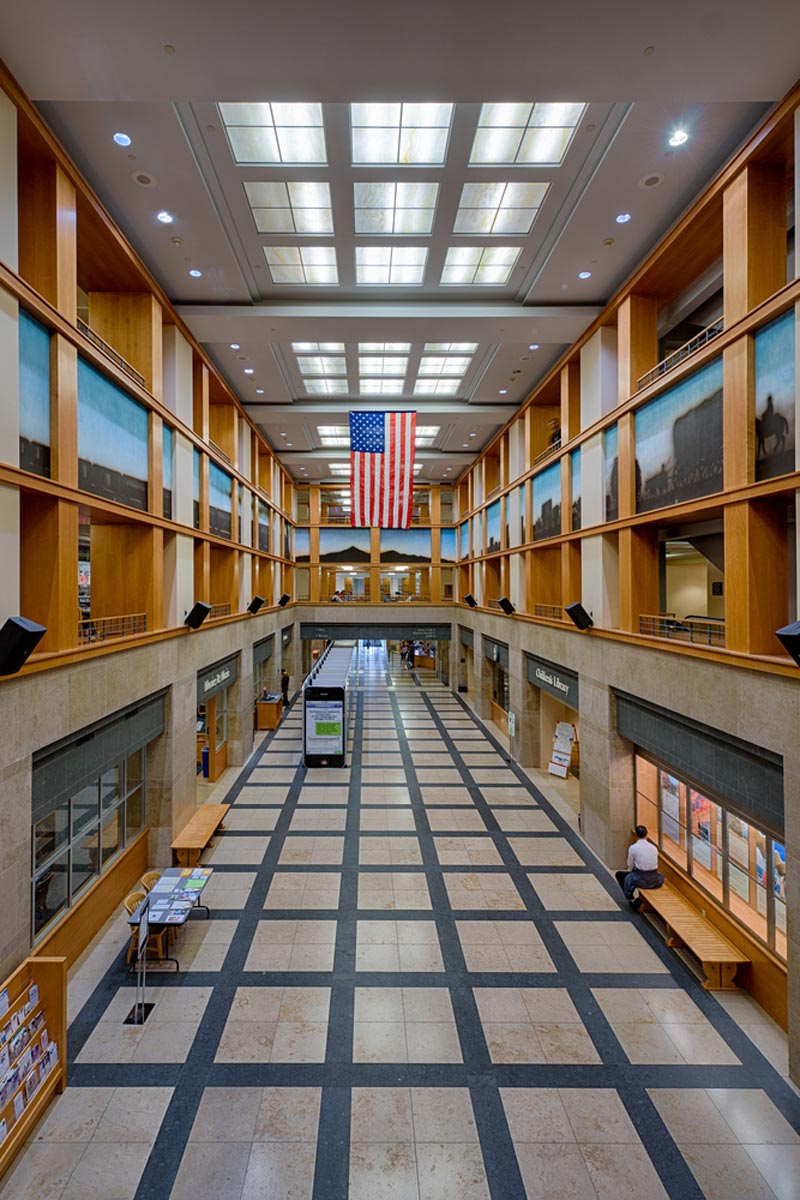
679	137
283	435
195	274
288	443
466	445
503	392
122	139
166	218
248	370
623	218
533	346
259	391
235	346
473	435
584	274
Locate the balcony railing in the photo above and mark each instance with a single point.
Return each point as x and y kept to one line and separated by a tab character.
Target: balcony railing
218	450
100	629
111	353
219	610
345	598
683	352
700	631
550	612
551	449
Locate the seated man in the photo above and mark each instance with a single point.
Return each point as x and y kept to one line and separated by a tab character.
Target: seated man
642	869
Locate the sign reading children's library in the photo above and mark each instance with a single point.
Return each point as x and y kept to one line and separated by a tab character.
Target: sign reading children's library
558	681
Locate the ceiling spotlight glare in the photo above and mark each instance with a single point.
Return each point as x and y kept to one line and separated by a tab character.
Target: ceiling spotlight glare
584	274
283	435
235	346
195	274
679	138
122	139
166	218
259	391
288	443
473	435
533	346
623	218
503	392
466	445
248	370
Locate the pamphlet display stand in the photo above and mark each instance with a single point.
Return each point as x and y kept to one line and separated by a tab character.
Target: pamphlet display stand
33	1048
269	711
566	755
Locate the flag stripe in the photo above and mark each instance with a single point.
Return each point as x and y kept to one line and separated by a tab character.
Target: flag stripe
382	468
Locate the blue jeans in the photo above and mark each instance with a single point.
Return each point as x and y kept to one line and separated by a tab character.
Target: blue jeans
629	881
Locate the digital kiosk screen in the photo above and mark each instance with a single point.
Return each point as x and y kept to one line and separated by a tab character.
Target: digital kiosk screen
324	721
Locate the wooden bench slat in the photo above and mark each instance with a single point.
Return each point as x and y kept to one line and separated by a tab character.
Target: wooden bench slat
198	832
718	956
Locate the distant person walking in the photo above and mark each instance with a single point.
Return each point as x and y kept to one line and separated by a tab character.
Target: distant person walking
285	687
642	869
403	654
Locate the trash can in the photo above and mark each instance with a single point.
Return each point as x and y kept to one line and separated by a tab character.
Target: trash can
204	761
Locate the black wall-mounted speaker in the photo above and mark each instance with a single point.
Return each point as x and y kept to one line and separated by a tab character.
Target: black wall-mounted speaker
198	614
579	616
471	601
255	604
789	637
284	600
506	605
18	638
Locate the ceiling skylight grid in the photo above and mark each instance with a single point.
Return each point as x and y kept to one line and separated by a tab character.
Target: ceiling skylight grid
268	133
403	134
311	265
487	266
384	347
437	387
318	347
326	387
380	386
387	364
443	365
321	364
499	208
394	266
525	134
290	207
450	347
395	208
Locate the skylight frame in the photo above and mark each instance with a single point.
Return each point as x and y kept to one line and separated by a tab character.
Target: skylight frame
322	386
276	120
277	206
483	260
380	385
301	260
429	385
510	208
400	203
516	126
394	129
377	261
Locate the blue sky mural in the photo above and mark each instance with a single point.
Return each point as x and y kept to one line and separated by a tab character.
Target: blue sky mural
493	541
447	551
344	545
775	397
547	503
405	545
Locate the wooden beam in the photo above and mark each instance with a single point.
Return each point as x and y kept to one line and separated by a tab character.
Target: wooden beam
637	342
756	575
49	562
638	575
738	414
47	235
63	411
754	238
570	400
131	324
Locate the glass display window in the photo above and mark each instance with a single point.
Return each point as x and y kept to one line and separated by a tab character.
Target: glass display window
673	818
706	835
779	896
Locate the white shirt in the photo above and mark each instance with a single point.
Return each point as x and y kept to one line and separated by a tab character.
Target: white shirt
643	856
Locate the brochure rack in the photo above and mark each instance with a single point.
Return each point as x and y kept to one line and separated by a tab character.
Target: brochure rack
33	1048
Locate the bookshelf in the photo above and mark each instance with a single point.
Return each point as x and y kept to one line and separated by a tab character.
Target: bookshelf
33	1033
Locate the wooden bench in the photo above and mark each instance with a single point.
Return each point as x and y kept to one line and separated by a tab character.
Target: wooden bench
198	832
686	926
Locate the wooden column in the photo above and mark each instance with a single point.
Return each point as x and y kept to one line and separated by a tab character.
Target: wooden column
738	414
49	576
570	572
626	465
756	575
566	494
155	487
754	238
63	411
314	506
127	571
205	515
222	428
131	324
200	407
637	342
48	236
638	575
570	400
202	571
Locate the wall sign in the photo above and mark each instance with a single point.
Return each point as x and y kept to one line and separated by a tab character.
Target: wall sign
495	651
378	631
217	677
556	680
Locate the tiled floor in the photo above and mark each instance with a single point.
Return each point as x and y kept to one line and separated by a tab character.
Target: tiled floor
416	984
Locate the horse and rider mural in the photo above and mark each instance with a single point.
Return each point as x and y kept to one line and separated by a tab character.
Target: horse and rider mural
775	397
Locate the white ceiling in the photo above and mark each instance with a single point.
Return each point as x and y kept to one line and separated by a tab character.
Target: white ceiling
158	71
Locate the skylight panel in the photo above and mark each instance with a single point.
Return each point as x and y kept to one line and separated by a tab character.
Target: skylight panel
439	364
384	347
381	387
487	266
395	208
339	441
339	468
404	134
333	430
312	265
425	436
290	207
499	208
437	387
388	364
266	133
321	364
396	266
450	347
524	134
326	387
318	347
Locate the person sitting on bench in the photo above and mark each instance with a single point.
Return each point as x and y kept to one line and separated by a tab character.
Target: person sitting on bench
642	869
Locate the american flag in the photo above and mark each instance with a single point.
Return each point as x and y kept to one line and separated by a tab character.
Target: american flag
382	468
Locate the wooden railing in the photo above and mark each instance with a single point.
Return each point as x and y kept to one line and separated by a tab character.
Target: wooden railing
219	610
100	629
110	352
683	352
551	612
702	631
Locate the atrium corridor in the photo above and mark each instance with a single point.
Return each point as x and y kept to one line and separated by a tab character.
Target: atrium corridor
416	983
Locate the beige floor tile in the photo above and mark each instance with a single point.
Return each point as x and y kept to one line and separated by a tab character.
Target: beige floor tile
288	1114
692	1117
284	1169
527	820
253	820
445	796
438	775
300	1042
74	1115
381	1114
133	1114
460	820
536	1115
780	1166
231	850
328	794
108	1172
467	851
443	1115
451	1171
572	893
623	1171
482	892
598	1115
427	1004
753	1117
379	820
42	1171
382	796
246	1041
433	1042
513	1043
378	1004
566	1044
304	890
308	820
386	1170
379	1041
212	1169
554	1170
376	851
544	852
227	1114
724	1172
311	851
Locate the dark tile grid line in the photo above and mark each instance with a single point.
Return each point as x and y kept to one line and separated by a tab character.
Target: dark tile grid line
755	1070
